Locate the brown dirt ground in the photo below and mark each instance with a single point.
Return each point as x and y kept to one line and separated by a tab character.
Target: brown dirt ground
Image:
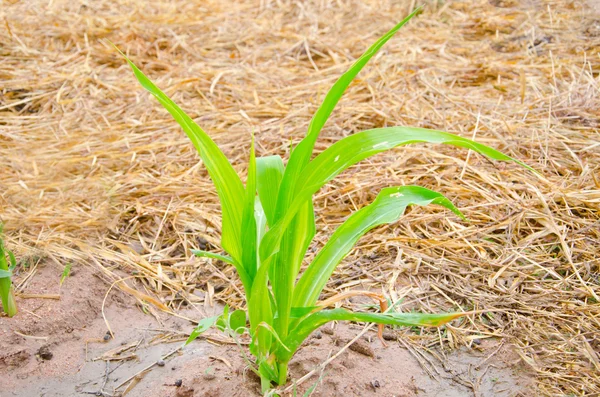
72	329
95	173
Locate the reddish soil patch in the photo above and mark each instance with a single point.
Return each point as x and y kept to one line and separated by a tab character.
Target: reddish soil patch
51	348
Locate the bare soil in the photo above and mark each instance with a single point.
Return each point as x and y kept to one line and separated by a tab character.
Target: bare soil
57	347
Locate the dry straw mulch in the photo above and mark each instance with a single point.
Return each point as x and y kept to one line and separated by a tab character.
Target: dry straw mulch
93	170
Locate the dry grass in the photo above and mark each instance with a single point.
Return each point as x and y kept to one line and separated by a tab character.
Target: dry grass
93	170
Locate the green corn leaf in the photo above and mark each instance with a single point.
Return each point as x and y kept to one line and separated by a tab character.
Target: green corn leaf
299	312
203	326
301	232
7	294
316	320
302	153
349	151
65	273
272	331
260	310
223	320
227	182
13	260
249	220
340	86
354	148
261	225
288	261
269	173
267	375
237	321
388	207
212	255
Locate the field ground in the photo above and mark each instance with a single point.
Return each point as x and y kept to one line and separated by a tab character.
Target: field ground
95	174
72	329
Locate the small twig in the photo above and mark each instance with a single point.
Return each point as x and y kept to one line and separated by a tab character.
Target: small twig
105	375
416	356
321	367
148	367
478	366
31	336
38	296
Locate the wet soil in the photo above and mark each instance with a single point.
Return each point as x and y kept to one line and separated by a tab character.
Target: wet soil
58	346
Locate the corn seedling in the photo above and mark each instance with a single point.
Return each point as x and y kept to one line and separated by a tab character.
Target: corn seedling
65	273
268	225
7	293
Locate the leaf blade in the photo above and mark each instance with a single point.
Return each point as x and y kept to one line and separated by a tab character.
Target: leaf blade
302	153
270	170
318	319
249	230
227	182
203	326
349	151
213	255
388	207
357	147
287	263
7	293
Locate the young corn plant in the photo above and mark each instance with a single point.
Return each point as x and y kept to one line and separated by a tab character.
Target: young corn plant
7	293
268	225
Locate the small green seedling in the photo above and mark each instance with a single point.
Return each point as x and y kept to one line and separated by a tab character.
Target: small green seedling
65	273
7	293
269	223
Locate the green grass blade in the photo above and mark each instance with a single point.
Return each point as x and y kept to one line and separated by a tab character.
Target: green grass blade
269	173
227	182
388	207
316	320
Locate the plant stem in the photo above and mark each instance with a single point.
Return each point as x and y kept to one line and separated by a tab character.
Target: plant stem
8	301
283	372
7	293
265	383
